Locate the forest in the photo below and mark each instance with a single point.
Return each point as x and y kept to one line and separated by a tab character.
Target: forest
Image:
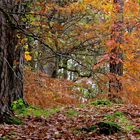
69	69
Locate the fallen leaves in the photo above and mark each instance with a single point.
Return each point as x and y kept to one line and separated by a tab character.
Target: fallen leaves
64	127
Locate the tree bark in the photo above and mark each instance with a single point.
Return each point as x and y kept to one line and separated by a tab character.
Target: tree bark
11	80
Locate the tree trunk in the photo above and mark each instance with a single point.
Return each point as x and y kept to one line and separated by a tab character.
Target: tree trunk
11	80
65	65
18	76
116	66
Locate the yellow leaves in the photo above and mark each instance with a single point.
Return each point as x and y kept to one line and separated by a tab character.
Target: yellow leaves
104	5
23	41
27	56
129	55
107	8
132	68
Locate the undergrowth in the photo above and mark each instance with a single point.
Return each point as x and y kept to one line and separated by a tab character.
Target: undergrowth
71	113
106	128
21	110
101	102
121	119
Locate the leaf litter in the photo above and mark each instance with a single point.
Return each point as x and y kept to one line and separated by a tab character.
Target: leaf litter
63	126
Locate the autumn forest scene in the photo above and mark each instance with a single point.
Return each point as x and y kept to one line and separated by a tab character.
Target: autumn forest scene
69	69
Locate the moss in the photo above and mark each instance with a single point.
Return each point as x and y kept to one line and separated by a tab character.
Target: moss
114	116
101	102
41	112
106	128
21	109
36	111
13	120
71	113
121	119
126	124
137	130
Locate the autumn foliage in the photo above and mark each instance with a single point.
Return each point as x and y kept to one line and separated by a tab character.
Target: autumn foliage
70	69
104	26
40	90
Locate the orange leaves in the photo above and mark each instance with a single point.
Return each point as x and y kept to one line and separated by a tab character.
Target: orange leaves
132	60
131	8
131	87
54	92
132	68
58	26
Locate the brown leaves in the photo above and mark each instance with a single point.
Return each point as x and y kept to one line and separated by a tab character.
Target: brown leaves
40	90
61	126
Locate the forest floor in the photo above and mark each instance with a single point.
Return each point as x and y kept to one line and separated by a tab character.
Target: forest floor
87	122
60	115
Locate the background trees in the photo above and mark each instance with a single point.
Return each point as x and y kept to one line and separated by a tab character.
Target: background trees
82	39
72	31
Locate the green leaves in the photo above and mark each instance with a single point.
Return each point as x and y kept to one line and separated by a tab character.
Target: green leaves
19	104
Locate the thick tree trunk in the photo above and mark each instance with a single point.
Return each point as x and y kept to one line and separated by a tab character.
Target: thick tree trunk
7	47
11	80
116	66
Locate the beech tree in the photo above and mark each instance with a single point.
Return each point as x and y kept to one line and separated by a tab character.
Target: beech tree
11	57
116	65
